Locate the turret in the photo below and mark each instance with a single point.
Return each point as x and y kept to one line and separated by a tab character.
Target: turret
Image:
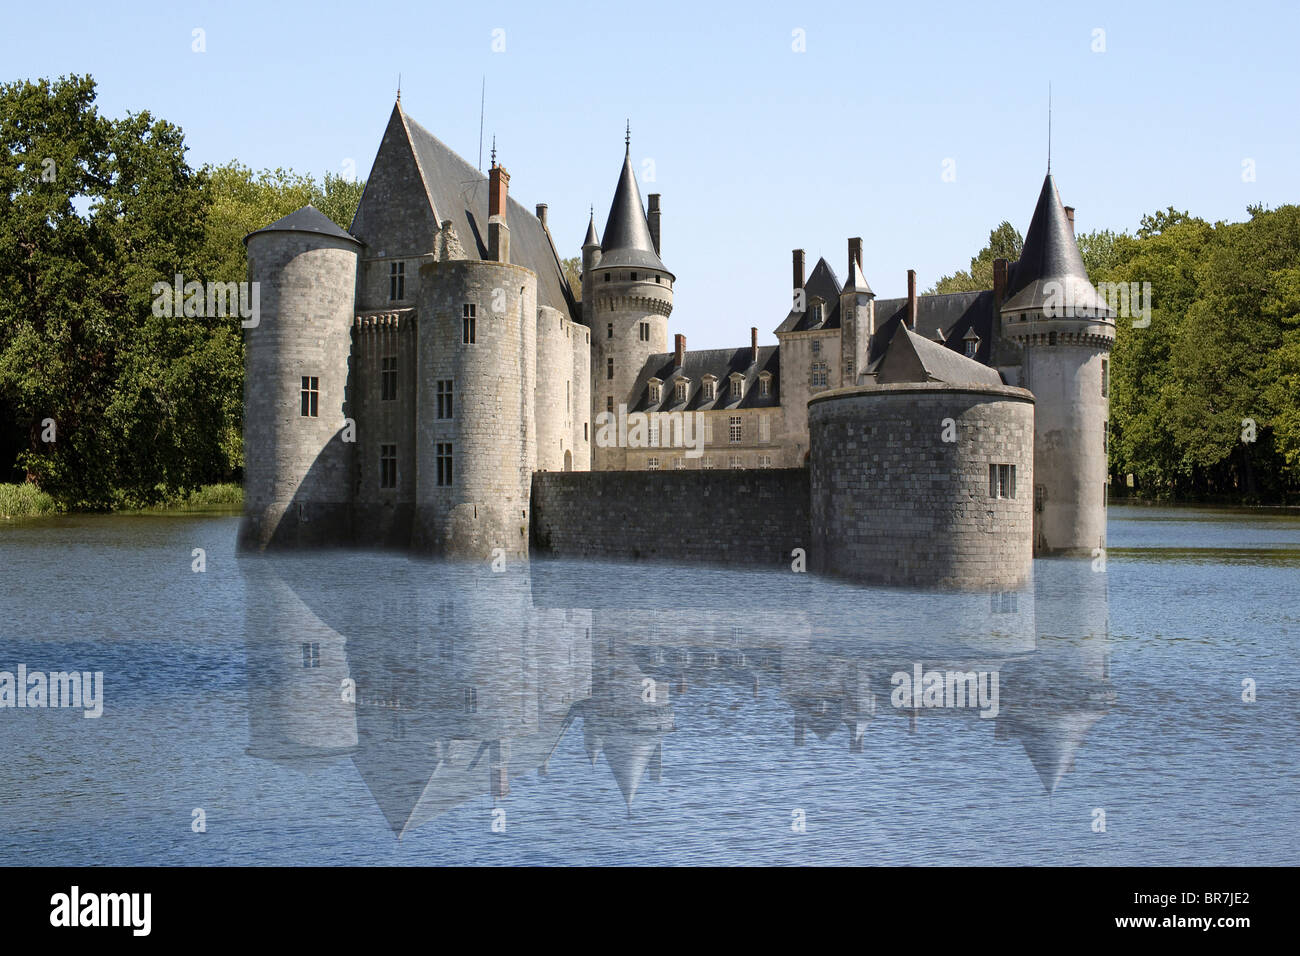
298	469
590	259
1065	331
626	301
857	318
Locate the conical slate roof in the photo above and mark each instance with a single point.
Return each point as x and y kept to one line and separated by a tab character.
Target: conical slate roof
307	219
627	232
591	239
1050	269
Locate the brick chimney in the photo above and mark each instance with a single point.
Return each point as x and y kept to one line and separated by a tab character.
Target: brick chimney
498	231
541	213
679	350
654	220
753	344
999	282
1069	214
911	299
855	254
798	268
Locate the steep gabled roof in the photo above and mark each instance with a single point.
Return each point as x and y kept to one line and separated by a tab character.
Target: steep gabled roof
1050	266
450	188
955	313
307	219
627	231
914	358
822	284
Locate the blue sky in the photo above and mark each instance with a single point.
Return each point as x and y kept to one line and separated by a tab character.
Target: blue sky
756	148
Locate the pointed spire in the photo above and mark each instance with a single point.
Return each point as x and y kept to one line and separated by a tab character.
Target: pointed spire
627	138
591	239
627	231
1050	268
494	150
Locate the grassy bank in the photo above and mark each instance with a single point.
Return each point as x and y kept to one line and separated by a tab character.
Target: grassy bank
27	501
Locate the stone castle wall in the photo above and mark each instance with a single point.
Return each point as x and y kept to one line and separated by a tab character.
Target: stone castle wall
709	517
894	503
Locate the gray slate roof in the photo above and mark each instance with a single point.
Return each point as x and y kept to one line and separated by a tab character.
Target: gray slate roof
1051	255
913	357
821	284
307	219
627	231
459	192
720	363
955	314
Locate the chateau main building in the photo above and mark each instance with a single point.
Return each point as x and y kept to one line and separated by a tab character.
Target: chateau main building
411	377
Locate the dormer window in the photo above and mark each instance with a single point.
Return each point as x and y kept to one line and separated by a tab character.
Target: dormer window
683	387
972	342
765	384
817	312
656	391
710	388
737	387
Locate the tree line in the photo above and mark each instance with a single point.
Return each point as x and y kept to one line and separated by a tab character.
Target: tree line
103	403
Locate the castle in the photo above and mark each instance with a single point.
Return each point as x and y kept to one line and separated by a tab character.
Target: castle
429	380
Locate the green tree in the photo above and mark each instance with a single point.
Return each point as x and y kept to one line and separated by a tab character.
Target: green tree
1005	242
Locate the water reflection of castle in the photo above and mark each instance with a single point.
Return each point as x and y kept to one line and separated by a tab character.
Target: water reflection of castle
443	682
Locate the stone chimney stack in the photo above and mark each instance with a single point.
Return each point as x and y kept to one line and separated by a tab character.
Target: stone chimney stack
911	299
855	254
1069	214
541	213
498	231
654	220
679	350
999	282
798	268
753	344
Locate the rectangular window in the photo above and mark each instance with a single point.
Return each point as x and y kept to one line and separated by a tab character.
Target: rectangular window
654	431
971	345
584	432
681	391
445	406
764	428
468	324
387	466
609	330
1105	378
310	396
656	278
609	368
608	276
633	276
764	461
734	430
706	464
396	281
1002	481
679	464
818	375
609	404
656	393
652	464
709	391
311	655
443	459
737	388
645	331
471	700
817	343
735	461
708	431
764	387
388	378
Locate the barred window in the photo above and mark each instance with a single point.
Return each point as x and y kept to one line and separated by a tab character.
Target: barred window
1002	481
310	396
311	655
818	376
443	460
388	378
734	430
652	464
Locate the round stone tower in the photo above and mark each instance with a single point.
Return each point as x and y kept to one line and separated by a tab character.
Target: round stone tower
1065	331
627	296
298	469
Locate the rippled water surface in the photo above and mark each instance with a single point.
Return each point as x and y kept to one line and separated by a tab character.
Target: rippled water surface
369	708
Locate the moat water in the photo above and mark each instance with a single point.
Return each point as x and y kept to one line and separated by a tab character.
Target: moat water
370	708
